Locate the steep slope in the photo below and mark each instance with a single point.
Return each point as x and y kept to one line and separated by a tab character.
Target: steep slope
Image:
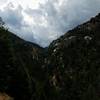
73	64
68	69
20	66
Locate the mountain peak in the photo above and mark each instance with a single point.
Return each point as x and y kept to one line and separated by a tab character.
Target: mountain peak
73	62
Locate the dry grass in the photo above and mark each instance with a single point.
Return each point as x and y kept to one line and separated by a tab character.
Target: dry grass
4	96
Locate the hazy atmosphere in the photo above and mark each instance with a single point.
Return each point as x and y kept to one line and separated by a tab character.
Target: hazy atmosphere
42	21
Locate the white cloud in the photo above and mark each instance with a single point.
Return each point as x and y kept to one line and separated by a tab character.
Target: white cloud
3	1
48	19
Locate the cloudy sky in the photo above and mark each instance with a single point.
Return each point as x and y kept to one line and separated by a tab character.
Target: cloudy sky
42	21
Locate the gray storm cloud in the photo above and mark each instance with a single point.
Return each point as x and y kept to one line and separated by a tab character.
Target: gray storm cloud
15	22
51	19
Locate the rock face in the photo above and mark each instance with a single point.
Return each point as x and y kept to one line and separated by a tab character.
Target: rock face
73	63
68	69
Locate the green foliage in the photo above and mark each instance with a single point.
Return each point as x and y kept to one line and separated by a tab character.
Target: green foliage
18	70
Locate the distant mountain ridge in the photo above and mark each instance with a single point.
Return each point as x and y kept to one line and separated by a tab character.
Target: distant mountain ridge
68	69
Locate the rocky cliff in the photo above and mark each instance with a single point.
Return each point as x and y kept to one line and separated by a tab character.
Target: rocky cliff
73	63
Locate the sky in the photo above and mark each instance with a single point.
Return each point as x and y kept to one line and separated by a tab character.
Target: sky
42	21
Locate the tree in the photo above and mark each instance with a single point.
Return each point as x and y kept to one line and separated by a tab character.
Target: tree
2	23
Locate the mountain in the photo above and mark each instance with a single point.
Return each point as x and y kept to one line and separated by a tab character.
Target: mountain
68	69
20	63
73	63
